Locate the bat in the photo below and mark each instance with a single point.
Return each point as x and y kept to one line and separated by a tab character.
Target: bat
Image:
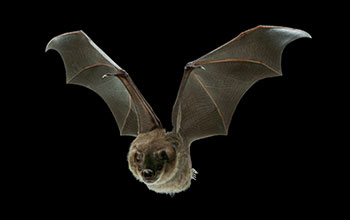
209	93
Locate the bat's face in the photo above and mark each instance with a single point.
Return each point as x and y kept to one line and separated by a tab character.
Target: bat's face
152	158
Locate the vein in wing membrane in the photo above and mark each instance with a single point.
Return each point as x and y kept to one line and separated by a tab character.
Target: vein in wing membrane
112	91
212	95
212	99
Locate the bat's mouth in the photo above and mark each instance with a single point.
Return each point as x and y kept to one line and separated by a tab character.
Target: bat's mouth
150	180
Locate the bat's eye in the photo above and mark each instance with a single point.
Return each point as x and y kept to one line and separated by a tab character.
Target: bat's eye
138	157
163	155
139	169
159	167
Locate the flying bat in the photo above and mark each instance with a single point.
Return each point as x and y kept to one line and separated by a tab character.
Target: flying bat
209	93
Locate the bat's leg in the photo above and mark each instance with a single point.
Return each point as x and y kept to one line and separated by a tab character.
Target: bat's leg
194	174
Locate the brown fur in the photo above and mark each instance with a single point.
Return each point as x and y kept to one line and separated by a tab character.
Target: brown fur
175	175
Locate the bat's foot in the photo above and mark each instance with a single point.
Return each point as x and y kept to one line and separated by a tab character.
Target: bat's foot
194	174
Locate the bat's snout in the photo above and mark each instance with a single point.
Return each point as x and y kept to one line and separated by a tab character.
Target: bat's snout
148	175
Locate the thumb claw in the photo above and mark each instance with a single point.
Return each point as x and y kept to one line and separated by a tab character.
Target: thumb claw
120	73
202	67
193	65
108	75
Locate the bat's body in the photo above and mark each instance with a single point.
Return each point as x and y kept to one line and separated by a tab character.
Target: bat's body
209	92
174	174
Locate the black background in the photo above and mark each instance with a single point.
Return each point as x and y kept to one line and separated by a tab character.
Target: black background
268	165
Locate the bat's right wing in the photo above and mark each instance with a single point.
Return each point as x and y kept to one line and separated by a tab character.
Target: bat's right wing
87	65
213	85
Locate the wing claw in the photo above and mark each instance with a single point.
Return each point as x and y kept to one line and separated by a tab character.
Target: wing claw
194	65
120	72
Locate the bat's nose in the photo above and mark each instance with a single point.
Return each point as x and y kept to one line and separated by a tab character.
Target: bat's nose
147	173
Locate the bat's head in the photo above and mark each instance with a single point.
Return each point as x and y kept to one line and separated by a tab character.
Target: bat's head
152	157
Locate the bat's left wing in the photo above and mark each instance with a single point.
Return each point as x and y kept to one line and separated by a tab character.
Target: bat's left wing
87	65
213	85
